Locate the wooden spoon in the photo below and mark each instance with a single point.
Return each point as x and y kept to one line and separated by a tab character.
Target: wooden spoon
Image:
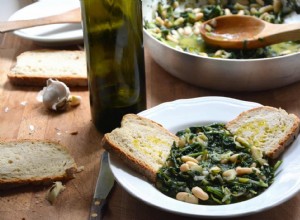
72	16
246	32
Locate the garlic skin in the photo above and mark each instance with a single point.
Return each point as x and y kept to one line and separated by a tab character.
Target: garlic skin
55	95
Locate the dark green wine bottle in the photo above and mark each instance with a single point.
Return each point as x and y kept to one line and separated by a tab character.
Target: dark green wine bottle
113	40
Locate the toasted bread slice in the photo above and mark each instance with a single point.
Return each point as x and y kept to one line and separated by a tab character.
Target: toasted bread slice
141	143
266	127
34	161
34	68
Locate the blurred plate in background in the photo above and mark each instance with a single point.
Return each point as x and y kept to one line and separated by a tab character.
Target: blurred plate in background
49	34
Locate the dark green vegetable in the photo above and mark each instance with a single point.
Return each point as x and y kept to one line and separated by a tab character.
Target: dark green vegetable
218	152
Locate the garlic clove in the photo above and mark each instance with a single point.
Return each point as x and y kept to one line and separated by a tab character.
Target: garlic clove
54	191
74	100
55	95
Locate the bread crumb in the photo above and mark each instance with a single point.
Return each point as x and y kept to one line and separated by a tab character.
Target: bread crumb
80	169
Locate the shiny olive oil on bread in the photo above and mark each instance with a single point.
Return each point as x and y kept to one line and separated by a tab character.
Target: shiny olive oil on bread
115	59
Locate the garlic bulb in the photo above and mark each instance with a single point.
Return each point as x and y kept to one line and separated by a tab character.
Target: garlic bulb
55	95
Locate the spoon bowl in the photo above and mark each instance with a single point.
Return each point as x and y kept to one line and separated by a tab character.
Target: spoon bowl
246	32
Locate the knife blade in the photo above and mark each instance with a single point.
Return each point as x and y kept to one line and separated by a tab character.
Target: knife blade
104	185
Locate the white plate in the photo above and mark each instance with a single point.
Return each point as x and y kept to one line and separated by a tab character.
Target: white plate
198	111
49	34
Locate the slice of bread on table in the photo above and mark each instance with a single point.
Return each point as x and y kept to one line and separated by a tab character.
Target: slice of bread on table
33	68
268	128
141	143
145	145
34	162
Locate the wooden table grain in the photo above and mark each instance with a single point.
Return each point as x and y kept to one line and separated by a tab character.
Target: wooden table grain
21	116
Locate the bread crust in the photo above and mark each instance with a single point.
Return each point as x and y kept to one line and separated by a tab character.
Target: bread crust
283	142
133	162
130	161
22	80
37	180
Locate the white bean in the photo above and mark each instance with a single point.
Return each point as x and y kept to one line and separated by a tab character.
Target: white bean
196	168
229	174
215	169
233	158
241	12
191	163
199	193
186	197
253	11
199	16
243	170
265	9
187	30
260	2
184	167
239	6
188	158
172	39
227	11
159	21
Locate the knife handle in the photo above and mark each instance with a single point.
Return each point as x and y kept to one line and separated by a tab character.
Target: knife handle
97	209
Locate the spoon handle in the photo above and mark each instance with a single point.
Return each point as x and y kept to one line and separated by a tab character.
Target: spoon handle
282	32
73	16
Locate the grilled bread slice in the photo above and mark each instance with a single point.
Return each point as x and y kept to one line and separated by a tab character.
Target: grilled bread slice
34	161
141	143
271	129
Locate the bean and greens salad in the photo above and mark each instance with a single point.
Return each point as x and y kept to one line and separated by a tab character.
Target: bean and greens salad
211	166
177	24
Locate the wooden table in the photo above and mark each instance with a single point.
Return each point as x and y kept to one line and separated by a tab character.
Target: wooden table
20	111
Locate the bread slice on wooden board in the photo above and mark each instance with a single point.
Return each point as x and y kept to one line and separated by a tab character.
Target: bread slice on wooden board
268	128
33	68
34	161
141	143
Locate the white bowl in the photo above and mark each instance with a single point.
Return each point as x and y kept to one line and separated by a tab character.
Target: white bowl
181	114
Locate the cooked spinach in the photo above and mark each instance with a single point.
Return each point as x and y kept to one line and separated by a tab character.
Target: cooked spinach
222	160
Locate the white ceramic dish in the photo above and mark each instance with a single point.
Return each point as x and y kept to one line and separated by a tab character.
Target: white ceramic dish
49	34
198	111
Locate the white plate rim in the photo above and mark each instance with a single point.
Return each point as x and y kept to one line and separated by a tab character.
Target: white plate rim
258	204
70	33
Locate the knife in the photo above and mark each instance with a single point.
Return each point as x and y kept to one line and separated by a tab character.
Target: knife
104	184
